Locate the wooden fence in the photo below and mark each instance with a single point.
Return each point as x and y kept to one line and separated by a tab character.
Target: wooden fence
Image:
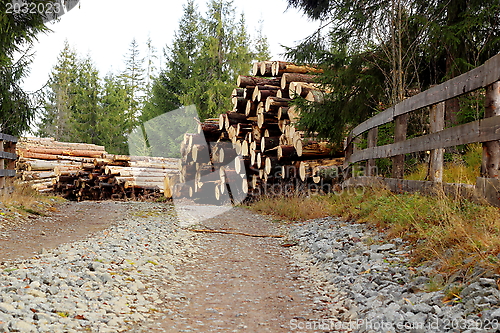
7	158
486	131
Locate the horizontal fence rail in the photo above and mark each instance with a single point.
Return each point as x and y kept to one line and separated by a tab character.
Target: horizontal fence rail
485	131
479	77
7	158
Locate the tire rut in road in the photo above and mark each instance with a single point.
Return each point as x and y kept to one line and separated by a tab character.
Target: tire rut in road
238	283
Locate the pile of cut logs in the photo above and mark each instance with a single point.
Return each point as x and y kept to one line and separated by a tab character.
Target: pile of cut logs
256	146
80	171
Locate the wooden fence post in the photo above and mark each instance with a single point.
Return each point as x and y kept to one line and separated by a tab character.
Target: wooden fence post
398	162
491	149
372	142
437	119
2	164
349	149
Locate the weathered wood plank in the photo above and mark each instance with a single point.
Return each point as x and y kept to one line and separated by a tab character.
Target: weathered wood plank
479	77
381	118
404	185
491	149
483	130
398	161
436	159
371	167
7	138
489	188
7	173
7	155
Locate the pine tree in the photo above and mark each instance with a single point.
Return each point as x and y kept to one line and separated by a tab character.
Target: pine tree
116	121
134	78
261	45
17	31
383	49
61	97
223	55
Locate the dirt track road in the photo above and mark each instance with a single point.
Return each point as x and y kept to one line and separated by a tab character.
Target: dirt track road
239	283
66	222
233	283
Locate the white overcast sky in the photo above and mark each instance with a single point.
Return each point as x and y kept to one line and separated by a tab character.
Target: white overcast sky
104	29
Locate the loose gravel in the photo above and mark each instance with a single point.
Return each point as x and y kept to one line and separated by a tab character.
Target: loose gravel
372	287
125	275
106	283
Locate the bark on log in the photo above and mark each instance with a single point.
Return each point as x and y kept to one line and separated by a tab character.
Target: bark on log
281	67
44	165
238	92
295	77
266	68
268	143
293	113
244	81
251	109
59	151
261	95
276	103
315	96
239	104
314	149
144	185
30	175
286	152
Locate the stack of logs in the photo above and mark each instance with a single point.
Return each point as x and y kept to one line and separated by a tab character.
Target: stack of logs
259	140
80	171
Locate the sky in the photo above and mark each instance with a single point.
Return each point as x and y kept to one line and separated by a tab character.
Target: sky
104	29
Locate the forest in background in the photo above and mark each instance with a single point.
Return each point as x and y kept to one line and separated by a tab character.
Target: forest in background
202	63
374	54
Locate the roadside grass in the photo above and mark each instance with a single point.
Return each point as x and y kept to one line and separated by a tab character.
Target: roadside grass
25	200
292	208
460	168
456	235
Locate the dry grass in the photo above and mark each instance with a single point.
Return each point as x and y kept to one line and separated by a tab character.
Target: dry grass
456	234
24	200
291	207
460	169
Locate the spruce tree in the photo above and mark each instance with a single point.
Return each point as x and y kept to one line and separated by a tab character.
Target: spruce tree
224	54
17	31
116	121
86	111
387	50
60	95
206	56
174	80
80	107
134	78
261	45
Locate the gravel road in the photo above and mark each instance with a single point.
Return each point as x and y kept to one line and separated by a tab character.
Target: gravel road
146	271
149	272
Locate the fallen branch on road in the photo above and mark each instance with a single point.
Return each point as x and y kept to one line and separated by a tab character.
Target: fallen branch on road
234	233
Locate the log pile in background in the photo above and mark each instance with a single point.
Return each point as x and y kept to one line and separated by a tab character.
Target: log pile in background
79	171
260	139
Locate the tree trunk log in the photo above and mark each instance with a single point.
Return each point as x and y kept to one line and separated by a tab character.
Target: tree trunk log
280	68
295	77
244	81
